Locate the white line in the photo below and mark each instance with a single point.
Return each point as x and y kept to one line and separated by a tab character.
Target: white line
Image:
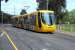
1	34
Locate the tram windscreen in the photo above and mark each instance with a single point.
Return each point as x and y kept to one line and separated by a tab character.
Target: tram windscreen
48	18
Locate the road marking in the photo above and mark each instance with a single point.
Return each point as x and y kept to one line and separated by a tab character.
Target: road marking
10	40
44	49
1	34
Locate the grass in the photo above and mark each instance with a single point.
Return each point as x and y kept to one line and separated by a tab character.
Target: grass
67	27
1	48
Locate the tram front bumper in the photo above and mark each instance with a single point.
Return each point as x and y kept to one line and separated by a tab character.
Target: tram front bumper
48	29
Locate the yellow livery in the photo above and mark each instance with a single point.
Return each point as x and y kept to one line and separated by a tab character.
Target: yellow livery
39	21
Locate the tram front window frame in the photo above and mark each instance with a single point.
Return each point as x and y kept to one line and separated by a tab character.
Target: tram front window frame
48	18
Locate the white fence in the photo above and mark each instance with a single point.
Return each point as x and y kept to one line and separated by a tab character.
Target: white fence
66	27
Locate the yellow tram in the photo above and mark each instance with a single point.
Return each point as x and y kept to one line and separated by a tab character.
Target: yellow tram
39	21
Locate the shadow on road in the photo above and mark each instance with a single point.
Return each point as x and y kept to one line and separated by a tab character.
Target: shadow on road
39	32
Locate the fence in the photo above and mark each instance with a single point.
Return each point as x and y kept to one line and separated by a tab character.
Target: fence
66	27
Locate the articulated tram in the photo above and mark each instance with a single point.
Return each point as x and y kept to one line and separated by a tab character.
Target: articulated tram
39	21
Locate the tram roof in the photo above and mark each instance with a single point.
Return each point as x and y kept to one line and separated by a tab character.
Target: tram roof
34	12
46	11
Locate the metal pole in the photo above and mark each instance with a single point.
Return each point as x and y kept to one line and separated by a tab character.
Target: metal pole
2	17
47	4
14	7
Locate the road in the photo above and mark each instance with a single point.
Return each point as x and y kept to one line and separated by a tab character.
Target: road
28	40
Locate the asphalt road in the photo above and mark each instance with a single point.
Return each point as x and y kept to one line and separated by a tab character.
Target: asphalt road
5	44
28	40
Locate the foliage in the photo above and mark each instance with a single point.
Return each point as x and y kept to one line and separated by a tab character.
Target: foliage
55	5
4	0
23	12
6	17
69	17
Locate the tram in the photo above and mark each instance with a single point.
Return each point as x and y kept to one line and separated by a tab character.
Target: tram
38	21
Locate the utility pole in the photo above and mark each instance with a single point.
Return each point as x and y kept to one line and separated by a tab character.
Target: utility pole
2	17
0	10
47	4
14	7
0	6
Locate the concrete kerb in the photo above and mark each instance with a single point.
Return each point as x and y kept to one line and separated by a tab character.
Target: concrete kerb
67	33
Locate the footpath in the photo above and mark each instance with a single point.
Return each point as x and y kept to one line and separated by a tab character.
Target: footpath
67	33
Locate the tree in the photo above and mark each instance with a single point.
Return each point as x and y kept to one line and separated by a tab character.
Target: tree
0	5
23	12
56	5
6	0
66	17
69	17
6	17
0	8
72	16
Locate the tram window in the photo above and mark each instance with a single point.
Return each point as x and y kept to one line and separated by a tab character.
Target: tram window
16	20
13	21
21	21
28	20
25	19
33	19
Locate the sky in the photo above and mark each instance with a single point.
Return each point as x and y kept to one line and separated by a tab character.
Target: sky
70	5
14	7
